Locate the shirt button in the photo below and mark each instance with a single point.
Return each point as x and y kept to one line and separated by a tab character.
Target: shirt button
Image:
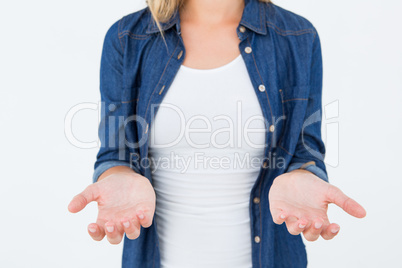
261	88
180	54
272	128
257	239
248	50
146	129
265	165
256	200
242	29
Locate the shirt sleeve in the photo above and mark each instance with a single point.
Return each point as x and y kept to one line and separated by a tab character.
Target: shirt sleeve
310	149
111	131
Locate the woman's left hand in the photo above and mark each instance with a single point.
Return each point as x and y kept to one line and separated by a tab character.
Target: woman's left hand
300	199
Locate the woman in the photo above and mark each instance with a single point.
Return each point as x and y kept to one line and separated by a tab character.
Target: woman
194	94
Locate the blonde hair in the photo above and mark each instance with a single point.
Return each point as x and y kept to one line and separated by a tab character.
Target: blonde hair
163	10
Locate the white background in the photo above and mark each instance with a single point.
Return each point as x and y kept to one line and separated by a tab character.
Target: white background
49	60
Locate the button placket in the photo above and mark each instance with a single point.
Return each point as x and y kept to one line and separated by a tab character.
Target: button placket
180	46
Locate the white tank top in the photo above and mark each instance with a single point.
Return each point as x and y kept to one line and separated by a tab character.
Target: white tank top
206	146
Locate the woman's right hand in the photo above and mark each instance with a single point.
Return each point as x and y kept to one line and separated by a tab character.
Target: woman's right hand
126	201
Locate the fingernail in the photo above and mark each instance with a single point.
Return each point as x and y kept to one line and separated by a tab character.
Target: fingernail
335	230
282	216
301	226
91	229
126	224
318	225
141	216
110	229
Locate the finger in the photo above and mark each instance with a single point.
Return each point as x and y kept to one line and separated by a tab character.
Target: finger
350	206
313	232
96	232
291	221
298	226
80	201
330	231
144	218
131	227
113	235
278	216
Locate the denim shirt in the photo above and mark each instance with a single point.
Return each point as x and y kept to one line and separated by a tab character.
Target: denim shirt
282	53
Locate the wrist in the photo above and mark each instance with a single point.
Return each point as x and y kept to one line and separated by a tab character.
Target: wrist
122	170
300	171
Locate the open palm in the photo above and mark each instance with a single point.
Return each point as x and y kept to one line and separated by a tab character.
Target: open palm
300	199
125	203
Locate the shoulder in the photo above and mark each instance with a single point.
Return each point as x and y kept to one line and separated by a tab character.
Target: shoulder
133	25
287	23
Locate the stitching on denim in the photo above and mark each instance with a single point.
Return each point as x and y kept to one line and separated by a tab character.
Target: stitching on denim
262	14
249	26
283	108
153	92
261	232
285	150
118	35
284	127
261	19
164	26
260	29
133	36
259	206
294	99
262	81
315	34
129	101
128	31
289	32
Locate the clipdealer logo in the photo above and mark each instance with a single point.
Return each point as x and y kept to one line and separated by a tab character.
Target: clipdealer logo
330	130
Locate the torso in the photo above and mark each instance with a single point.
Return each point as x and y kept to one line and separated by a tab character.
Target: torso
203	181
202	212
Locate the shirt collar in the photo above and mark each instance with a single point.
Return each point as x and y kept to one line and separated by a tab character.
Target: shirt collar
253	18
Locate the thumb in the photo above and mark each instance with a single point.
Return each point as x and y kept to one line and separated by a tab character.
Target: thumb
350	206
80	201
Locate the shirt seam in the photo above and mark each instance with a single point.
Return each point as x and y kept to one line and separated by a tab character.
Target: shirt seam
290	32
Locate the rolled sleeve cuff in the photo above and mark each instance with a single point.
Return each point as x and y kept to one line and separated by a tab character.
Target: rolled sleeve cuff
109	164
309	167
